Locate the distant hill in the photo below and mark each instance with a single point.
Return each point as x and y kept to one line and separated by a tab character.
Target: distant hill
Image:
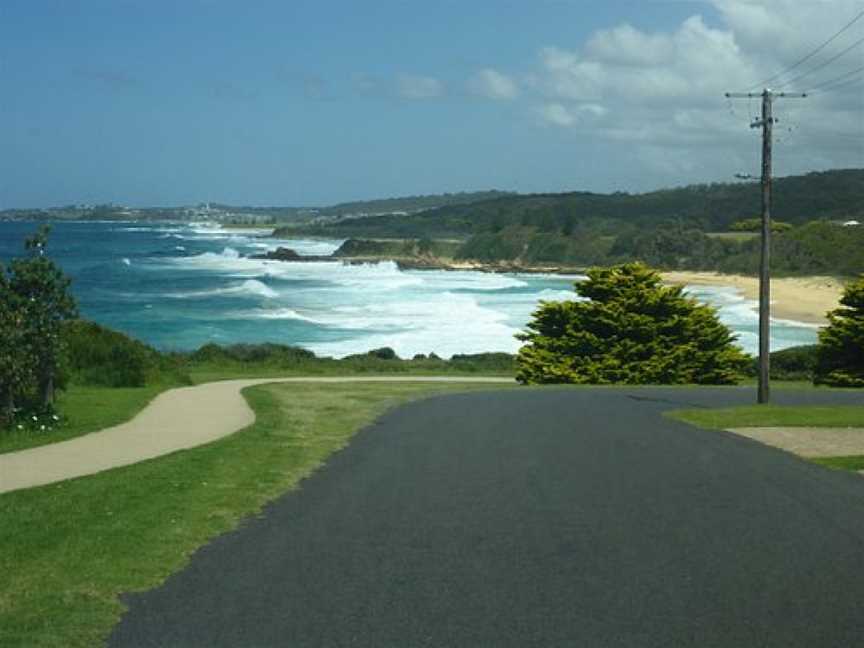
411	204
226	213
668	229
832	195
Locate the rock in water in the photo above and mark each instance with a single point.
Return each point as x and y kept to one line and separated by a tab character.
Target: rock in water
279	254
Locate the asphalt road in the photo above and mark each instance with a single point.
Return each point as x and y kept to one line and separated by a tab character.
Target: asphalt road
556	517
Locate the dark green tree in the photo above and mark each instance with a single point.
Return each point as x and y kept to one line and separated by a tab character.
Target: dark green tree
630	329
840	358
16	366
41	303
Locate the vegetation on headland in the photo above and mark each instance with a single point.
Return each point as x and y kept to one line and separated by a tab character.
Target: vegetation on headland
674	229
68	550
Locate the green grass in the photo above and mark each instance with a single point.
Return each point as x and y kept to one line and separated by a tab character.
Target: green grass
225	370
68	550
773	415
84	409
733	236
782	416
853	462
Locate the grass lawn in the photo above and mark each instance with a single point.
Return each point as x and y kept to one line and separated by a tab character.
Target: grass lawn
773	415
782	416
85	409
68	550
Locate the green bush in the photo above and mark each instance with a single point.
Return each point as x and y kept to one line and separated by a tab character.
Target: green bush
266	353
484	362
96	355
794	363
840	361
755	225
632	330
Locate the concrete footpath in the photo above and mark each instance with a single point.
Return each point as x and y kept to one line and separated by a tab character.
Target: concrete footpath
176	419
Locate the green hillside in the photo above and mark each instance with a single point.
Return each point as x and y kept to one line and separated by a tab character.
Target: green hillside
687	228
797	199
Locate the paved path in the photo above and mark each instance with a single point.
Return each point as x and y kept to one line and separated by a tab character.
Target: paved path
176	419
554	517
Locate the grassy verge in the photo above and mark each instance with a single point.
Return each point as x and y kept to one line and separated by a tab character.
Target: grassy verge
207	372
853	462
782	416
85	409
773	415
67	550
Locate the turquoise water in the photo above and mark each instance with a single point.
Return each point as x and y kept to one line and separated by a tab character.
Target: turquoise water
178	286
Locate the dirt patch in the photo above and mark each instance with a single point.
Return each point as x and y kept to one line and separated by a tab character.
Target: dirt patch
809	441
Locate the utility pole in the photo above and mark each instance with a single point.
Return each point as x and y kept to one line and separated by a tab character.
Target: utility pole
766	123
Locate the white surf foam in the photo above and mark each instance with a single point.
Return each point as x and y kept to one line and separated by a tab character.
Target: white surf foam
248	287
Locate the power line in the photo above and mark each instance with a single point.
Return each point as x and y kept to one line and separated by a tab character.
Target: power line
849	82
809	56
822	65
842	77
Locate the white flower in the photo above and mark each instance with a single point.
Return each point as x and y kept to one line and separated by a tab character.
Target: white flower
55	417
35	418
20	427
42	428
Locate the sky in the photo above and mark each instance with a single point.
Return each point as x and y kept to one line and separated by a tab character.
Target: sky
158	102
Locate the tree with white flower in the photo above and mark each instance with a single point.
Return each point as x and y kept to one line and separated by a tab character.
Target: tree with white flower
34	302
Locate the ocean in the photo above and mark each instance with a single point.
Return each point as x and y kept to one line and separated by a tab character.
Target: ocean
179	286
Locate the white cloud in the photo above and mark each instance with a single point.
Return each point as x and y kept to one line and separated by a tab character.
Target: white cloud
558	114
628	46
419	87
492	84
662	92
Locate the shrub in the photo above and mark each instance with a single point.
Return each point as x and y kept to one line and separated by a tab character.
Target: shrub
267	353
755	225
840	360
384	353
630	330
99	356
484	361
794	363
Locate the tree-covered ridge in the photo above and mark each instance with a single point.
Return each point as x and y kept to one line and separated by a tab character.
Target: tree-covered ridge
692	228
410	204
832	195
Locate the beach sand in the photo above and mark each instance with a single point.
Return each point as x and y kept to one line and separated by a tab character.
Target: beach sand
803	299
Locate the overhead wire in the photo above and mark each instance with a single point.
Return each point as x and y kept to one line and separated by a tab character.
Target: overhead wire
810	55
826	85
824	63
848	82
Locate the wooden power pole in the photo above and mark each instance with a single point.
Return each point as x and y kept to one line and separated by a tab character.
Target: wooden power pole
766	123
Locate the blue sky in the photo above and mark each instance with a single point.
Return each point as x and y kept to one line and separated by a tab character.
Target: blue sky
310	103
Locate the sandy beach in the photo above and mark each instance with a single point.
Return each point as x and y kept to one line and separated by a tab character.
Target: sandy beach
803	299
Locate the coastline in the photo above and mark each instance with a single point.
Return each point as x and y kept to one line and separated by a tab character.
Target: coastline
799	299
802	299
